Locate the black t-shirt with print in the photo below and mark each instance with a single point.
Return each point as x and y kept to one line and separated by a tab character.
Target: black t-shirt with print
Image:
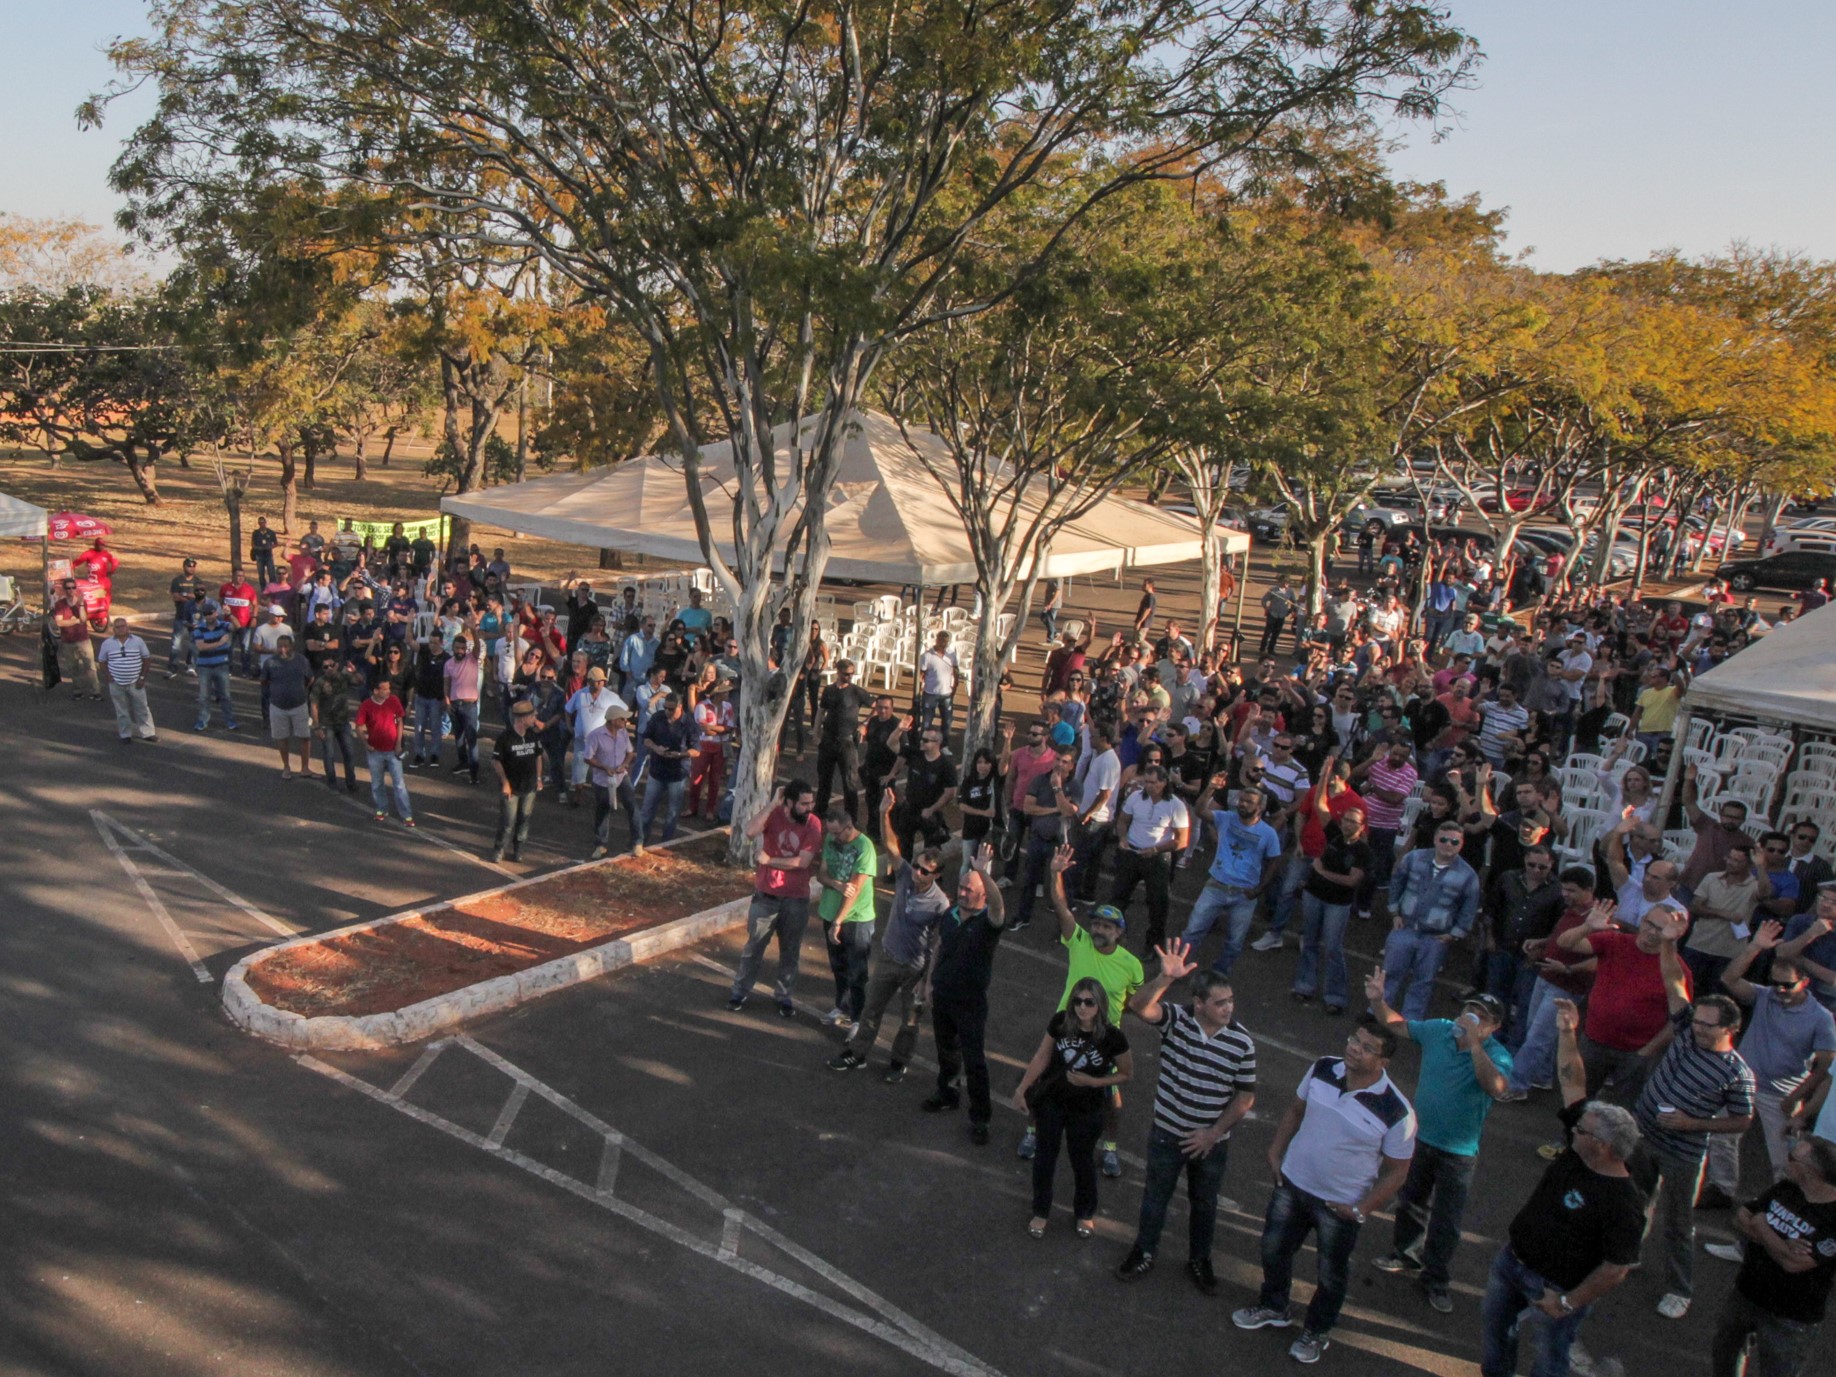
1341	858
1077	1051
926	780
1577	1218
980	793
1798	1296
521	756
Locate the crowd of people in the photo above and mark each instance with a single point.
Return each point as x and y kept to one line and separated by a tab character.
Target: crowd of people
1392	773
1370	765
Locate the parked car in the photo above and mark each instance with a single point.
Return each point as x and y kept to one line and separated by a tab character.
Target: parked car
1379	518
1798	569
1264	524
1517	500
1789	538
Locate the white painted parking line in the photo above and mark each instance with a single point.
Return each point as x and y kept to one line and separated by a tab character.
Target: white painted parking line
507	1116
879	1317
135	842
152	900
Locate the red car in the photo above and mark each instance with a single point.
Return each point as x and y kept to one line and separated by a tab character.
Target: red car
1518	500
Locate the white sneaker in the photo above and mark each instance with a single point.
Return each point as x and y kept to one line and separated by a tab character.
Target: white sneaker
1727	1252
1269	941
1673	1306
833	1017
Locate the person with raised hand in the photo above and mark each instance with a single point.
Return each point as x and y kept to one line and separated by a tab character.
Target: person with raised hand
1205	1085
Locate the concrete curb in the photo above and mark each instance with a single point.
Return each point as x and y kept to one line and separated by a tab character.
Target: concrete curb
412	1023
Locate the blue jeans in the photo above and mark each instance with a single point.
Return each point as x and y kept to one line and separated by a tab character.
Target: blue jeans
1292	1215
1429	1208
214	686
1534	1062
939	705
1512	1287
465	733
848	961
340	737
1048	618
660	797
1234	904
1510	977
1411	959
1204	1176
1323	946
179	654
1300	866
772	915
1382	841
243	643
1035	865
388	764
427	729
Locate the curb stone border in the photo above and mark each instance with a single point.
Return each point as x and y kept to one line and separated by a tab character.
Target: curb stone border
414	1022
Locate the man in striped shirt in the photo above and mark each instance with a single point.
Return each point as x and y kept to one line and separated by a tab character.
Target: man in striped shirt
1207	1083
1502	721
1385	782
123	657
1701	1086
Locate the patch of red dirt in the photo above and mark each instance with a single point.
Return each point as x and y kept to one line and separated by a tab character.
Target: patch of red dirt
378	970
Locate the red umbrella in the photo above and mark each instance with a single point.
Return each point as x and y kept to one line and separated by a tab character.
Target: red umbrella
75	526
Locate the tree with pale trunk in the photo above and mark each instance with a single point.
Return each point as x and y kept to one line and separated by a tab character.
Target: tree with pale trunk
770	195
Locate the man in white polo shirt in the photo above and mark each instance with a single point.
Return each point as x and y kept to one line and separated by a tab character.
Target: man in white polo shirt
1151	826
1341	1153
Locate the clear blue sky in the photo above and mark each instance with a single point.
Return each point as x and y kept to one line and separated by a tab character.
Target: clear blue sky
1609	129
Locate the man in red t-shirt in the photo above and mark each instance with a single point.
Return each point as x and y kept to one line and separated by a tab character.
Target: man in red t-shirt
1341	798
789	841
238	597
1628	1013
379	723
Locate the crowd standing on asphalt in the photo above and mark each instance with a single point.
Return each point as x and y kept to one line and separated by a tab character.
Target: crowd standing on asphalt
1367	767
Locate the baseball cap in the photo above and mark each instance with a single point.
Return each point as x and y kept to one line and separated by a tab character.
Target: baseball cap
523	709
1109	913
597	673
276	610
1064	734
1493	1007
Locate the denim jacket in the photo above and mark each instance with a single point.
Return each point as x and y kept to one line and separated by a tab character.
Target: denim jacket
1434	903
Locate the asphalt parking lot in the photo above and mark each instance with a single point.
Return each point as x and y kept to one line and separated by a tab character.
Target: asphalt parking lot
622	1176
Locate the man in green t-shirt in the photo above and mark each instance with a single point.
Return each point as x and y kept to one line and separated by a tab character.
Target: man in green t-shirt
1096	952
845	874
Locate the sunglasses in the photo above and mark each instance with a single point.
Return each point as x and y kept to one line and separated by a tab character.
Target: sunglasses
925	870
1083	1002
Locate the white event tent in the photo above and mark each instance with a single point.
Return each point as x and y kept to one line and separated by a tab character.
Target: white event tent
888	520
1788	676
20	520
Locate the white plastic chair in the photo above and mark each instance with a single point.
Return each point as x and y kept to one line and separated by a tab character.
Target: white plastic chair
1682	838
1004	626
1576	779
1615	725
888	605
1635	753
1584	760
1075	626
1701	732
1585	827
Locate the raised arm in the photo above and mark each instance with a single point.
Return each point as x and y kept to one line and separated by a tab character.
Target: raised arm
1670	960
1599	919
1571	1071
1062	860
1144	1004
1734	978
1373	991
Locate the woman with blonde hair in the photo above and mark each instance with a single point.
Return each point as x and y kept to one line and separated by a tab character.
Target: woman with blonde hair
1081	1055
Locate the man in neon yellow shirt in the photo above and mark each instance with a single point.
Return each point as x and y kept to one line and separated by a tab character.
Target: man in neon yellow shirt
845	874
1096	952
